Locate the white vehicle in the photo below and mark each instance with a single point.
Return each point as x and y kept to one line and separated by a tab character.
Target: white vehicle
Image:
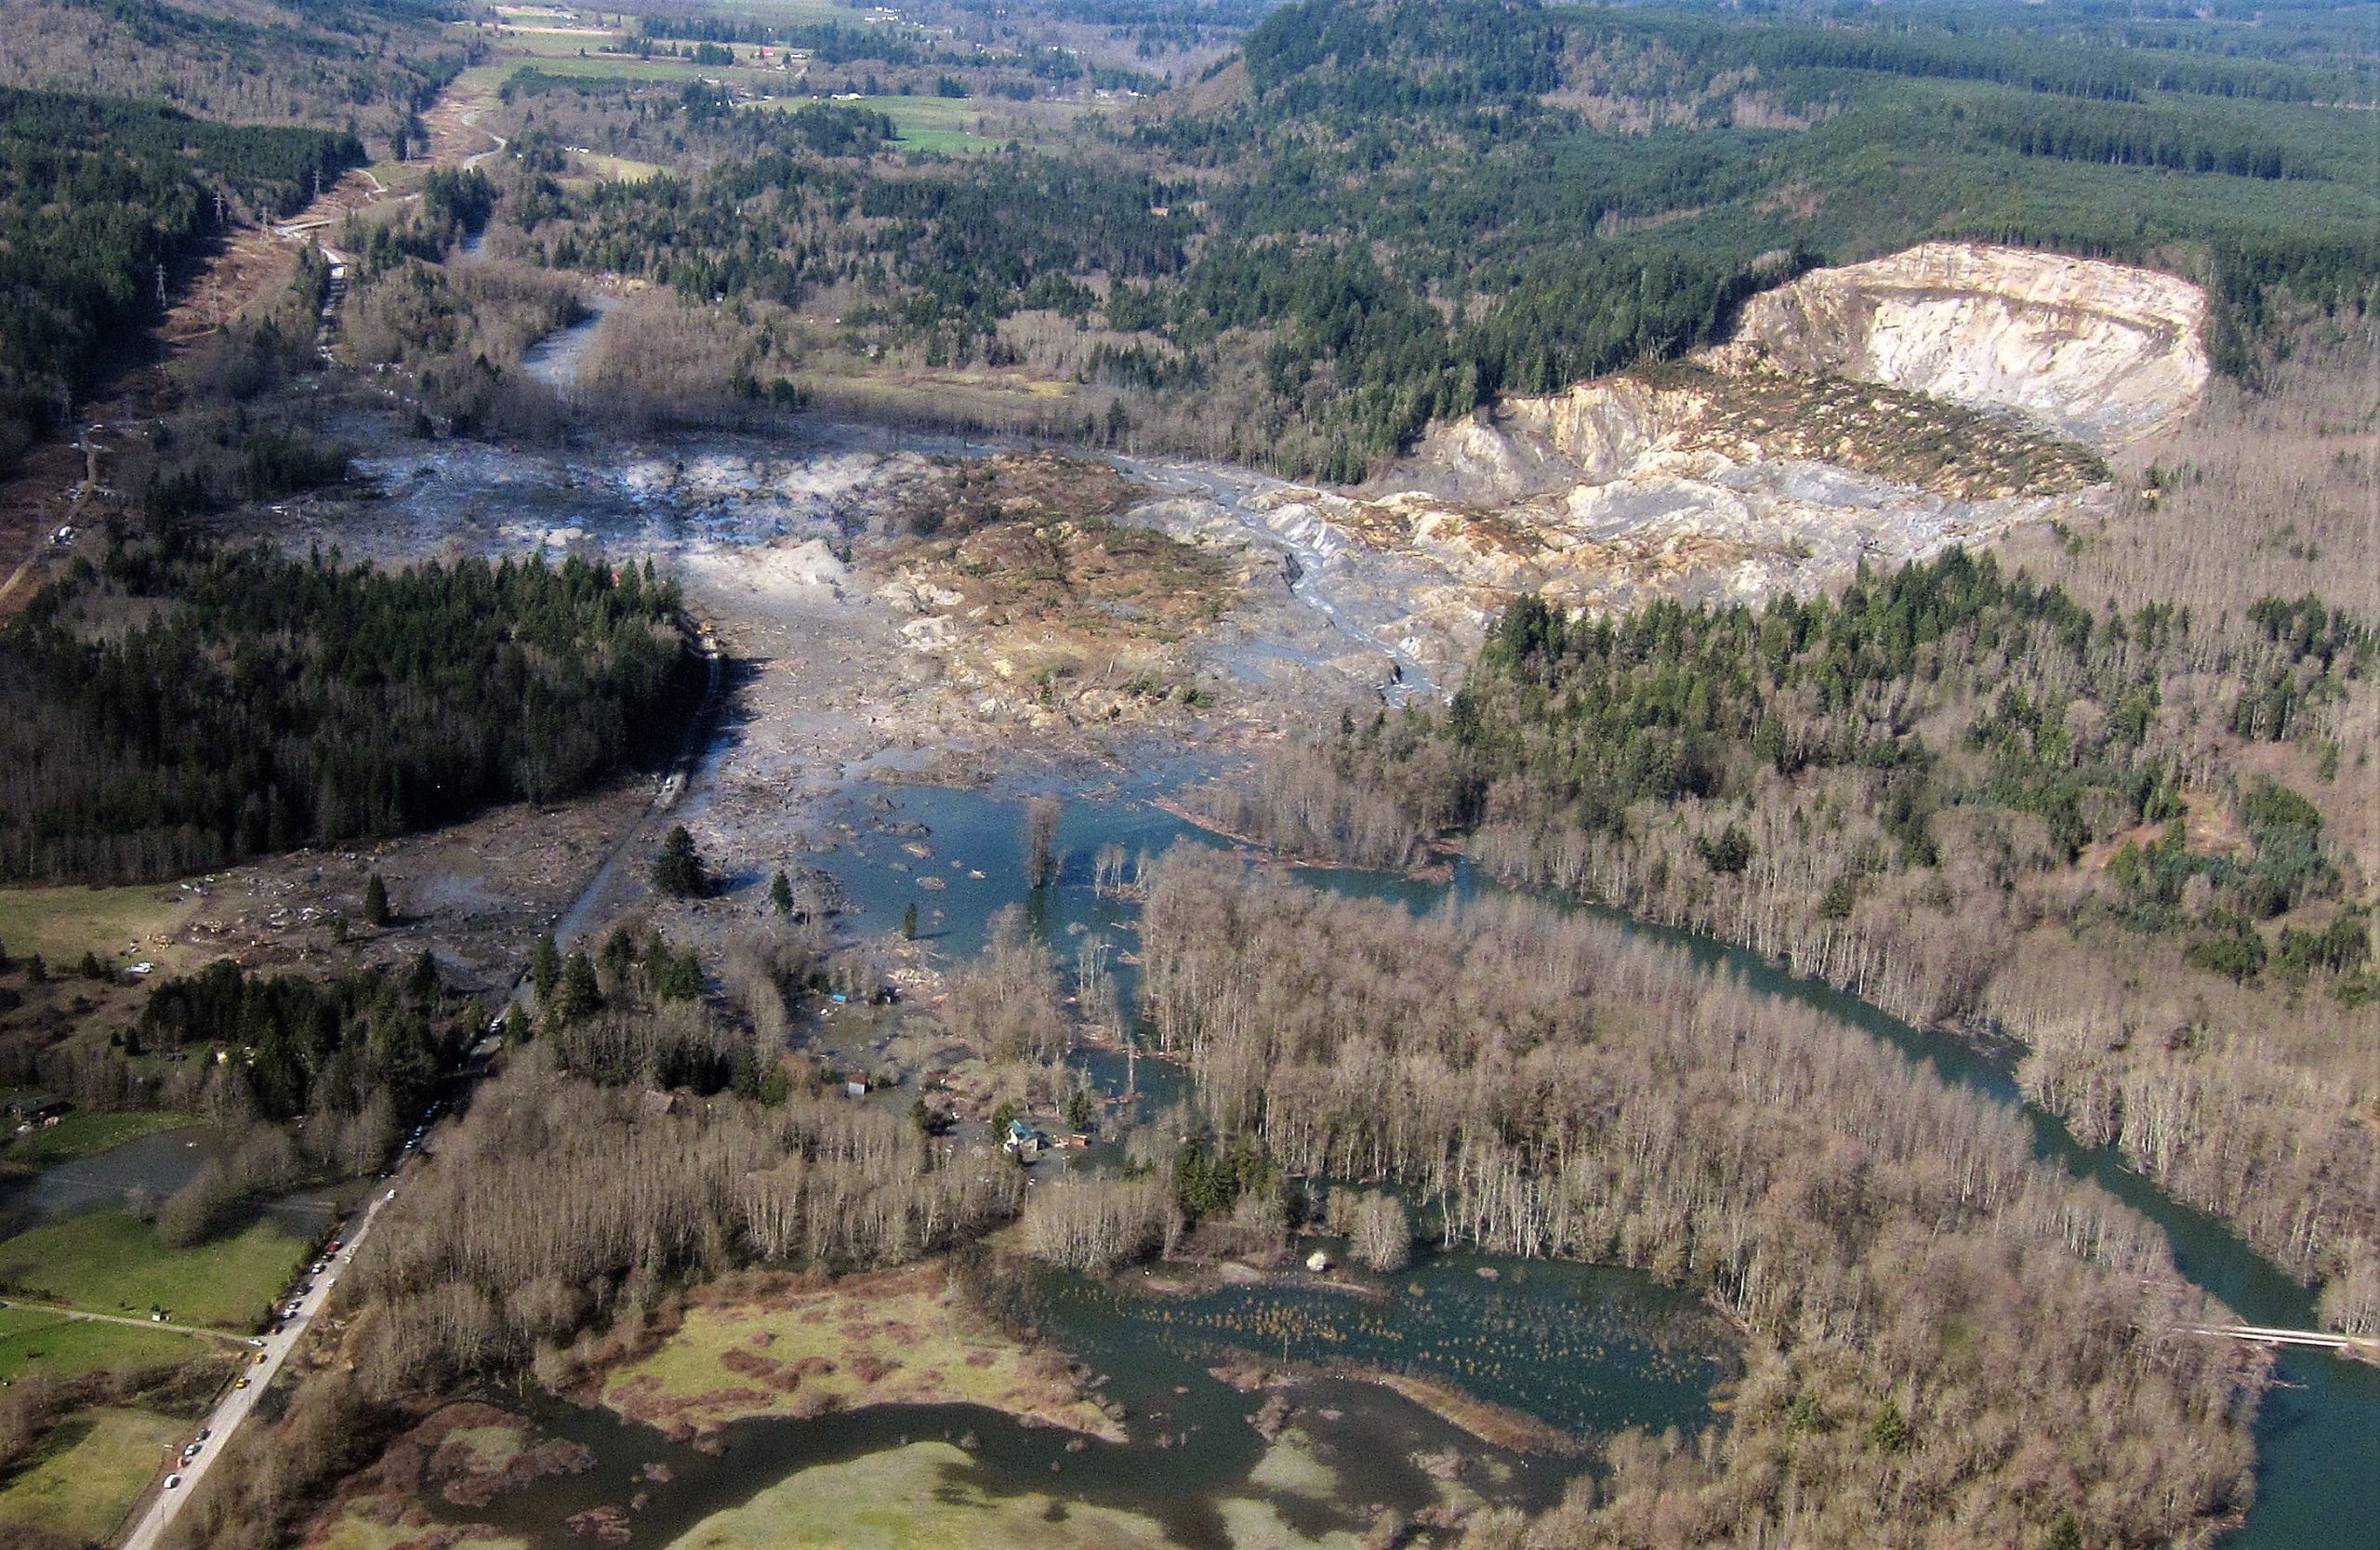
389	1196
173	1481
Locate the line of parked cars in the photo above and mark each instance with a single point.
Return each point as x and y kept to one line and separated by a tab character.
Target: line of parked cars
296	1302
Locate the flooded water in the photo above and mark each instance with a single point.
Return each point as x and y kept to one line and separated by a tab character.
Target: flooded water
2317	1434
1587	1350
156	1164
1590	1349
153	1167
554	359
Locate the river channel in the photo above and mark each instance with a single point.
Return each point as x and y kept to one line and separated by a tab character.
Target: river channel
2318	1436
1594	1349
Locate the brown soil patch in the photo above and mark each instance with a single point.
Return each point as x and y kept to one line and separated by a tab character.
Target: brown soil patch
384	1500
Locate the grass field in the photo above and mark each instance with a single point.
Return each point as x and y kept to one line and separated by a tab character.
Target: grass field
40	1339
619	169
898	1337
81	1134
947	123
109	1262
357	1531
780	11
89	1473
909	1498
63	923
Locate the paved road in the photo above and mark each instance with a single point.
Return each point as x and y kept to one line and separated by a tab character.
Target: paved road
236	1403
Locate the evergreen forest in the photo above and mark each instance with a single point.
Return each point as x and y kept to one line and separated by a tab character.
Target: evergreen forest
175	711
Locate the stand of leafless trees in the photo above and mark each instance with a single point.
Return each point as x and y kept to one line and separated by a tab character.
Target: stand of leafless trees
2252	1096
1009	1003
1094	1222
1544	1084
559	1206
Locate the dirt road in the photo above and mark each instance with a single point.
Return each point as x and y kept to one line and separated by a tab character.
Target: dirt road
130	1323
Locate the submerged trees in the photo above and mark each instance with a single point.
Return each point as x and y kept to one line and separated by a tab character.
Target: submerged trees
1040	842
1544	1084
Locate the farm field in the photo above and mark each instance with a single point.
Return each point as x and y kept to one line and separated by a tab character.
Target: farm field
949	125
89	1473
63	923
111	1262
44	1340
82	1135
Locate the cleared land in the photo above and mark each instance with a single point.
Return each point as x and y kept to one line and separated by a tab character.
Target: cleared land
89	1473
63	923
51	1342
945	123
111	1262
768	1345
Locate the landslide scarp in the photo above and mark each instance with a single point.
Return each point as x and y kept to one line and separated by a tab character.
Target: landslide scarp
2099	352
1874	414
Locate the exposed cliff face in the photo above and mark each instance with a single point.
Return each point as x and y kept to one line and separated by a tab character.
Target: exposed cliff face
2099	351
1879	413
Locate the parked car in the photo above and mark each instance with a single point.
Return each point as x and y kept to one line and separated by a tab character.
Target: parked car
173	1482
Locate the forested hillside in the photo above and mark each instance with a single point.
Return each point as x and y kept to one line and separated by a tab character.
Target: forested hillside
1382	213
98	196
330	63
171	713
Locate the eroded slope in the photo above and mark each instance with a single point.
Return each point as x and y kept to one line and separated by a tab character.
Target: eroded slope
1876	414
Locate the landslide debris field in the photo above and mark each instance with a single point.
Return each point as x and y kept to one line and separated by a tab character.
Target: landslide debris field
1880	413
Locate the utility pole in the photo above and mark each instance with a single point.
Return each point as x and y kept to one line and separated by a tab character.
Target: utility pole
161	288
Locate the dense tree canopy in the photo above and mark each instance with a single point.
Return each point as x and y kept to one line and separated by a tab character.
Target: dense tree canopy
175	711
97	196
